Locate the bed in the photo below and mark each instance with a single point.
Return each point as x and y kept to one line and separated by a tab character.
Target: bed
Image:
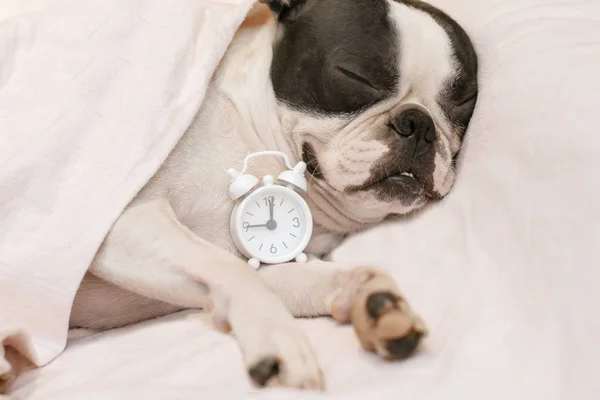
505	270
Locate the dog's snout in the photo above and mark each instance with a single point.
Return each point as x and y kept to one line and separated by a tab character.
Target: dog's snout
415	123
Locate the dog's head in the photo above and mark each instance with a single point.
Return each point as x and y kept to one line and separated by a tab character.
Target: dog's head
376	95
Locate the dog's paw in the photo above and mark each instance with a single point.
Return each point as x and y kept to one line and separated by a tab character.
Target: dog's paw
382	319
276	351
281	356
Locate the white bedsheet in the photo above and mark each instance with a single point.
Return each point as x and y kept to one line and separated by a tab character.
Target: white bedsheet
505	270
93	96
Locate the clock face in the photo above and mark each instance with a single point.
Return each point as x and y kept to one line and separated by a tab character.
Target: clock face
273	224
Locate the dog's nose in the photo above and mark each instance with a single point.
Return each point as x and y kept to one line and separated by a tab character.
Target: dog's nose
414	122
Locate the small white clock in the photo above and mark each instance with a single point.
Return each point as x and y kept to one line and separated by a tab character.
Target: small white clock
270	223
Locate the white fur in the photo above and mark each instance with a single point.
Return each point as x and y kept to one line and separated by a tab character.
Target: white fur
436	64
426	56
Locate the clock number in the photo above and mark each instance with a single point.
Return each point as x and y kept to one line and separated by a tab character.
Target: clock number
273	249
268	199
246	226
296	222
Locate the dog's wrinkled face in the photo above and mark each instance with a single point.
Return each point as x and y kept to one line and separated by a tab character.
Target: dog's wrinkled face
376	95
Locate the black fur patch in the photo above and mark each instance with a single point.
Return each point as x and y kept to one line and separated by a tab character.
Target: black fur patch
341	56
284	9
336	56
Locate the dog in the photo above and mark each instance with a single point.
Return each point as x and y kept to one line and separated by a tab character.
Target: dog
375	96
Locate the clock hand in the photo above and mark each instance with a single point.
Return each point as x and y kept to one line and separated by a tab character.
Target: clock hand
246	226
271	206
271	223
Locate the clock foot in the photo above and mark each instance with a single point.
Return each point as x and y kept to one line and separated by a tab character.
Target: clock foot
301	258
254	263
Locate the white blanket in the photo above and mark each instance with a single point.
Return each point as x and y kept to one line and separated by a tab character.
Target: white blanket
93	96
505	270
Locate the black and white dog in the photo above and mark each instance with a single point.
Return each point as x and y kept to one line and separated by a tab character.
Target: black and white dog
375	96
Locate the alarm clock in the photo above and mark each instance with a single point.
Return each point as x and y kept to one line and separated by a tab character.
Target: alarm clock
271	222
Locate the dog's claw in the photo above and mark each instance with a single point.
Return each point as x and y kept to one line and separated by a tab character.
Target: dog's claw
264	370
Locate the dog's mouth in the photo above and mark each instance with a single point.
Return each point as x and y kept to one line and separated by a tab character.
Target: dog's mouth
404	181
405	185
403	174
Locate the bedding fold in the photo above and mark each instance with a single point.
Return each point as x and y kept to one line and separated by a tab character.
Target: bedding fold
93	97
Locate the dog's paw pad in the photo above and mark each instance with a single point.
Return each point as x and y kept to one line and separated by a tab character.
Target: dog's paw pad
404	346
264	370
379	303
384	322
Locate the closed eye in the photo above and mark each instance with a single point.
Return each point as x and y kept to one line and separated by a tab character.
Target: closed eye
355	76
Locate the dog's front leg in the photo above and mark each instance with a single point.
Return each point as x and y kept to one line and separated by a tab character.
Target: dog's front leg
367	297
149	252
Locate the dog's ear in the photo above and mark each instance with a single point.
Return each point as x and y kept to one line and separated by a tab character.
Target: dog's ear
285	10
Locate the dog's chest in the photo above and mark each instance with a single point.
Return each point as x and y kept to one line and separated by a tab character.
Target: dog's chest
207	216
193	179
